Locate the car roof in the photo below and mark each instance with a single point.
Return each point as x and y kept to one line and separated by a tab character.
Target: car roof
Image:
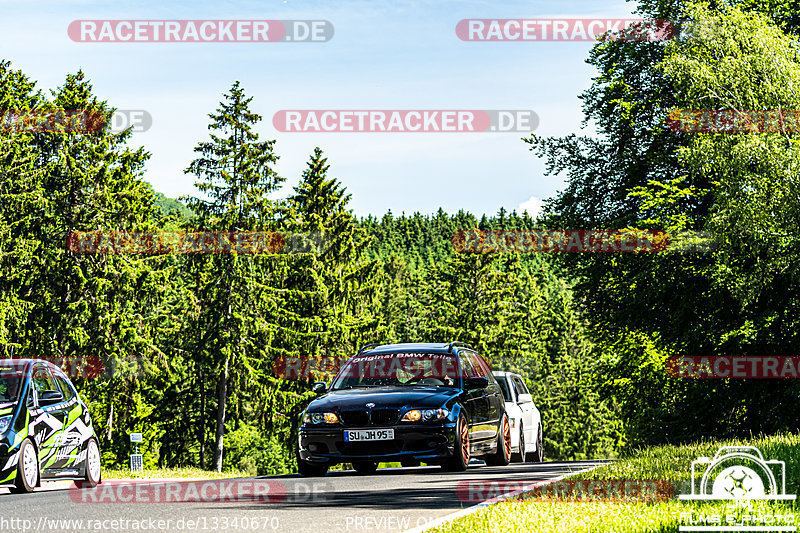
503	373
433	347
26	362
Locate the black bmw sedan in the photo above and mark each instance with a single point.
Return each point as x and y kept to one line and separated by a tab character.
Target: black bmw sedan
413	403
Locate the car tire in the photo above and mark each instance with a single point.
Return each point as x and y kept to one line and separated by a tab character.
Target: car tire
503	454
461	449
27	468
365	467
93	475
520	457
538	455
307	469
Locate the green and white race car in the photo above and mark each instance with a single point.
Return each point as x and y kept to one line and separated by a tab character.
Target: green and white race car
45	429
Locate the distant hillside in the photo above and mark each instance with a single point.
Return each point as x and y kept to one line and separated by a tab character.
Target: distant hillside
169	205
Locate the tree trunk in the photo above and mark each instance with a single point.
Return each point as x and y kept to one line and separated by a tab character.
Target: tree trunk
201	426
222	392
110	421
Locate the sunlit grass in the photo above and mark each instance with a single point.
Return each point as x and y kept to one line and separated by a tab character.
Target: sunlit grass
174	473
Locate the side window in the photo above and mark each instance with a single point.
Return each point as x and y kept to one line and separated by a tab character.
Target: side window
467	367
485	370
504	387
43	380
66	389
29	403
520	386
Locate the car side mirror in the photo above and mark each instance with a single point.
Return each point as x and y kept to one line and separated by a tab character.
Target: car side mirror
319	387
49	397
478	382
525	398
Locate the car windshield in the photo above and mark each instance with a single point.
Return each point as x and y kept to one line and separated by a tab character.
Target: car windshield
11	376
503	382
398	369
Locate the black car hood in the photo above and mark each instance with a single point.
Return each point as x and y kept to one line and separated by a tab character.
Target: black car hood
384	397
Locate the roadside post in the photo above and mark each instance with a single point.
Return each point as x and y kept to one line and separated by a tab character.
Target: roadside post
136	457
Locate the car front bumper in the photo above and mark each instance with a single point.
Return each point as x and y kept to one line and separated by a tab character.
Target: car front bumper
424	443
8	468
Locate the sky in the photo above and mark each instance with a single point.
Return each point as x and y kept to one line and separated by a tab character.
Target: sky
402	54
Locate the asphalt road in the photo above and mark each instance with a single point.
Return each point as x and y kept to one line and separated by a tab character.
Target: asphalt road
389	500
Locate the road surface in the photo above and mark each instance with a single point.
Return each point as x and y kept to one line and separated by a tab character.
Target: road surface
390	500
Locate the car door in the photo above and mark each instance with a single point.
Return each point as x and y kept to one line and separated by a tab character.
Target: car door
495	402
528	418
71	443
473	400
47	418
486	400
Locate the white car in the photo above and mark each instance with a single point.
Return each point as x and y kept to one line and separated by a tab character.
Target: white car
526	421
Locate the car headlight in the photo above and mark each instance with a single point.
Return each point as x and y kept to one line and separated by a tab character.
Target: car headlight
321	418
427	415
5	421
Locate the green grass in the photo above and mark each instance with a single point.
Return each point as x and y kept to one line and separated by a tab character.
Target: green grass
174	473
671	463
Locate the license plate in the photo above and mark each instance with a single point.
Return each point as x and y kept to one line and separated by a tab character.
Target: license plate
368	434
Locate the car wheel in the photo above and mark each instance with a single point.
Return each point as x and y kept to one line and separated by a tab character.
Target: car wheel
365	467
27	468
461	452
521	455
539	453
503	454
93	471
306	469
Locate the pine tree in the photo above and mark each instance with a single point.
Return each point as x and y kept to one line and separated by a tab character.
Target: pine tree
235	174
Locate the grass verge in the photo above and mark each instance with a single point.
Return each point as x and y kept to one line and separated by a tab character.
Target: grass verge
670	463
172	473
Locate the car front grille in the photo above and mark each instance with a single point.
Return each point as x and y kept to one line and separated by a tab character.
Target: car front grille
355	418
363	417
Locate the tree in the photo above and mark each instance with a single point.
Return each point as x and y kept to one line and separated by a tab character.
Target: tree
235	174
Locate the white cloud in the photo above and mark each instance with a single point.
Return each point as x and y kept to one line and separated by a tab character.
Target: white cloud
532	205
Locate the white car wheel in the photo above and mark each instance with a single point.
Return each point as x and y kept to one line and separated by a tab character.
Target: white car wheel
92	463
